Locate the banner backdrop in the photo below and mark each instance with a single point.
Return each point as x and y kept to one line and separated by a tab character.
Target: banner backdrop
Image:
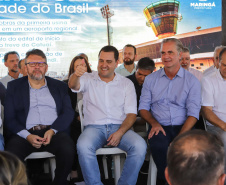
64	28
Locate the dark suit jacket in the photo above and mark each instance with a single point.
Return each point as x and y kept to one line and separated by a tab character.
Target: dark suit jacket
17	103
73	96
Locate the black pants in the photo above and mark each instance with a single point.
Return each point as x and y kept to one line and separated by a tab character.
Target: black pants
61	146
159	145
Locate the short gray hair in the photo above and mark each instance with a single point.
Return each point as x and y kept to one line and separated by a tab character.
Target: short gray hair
178	43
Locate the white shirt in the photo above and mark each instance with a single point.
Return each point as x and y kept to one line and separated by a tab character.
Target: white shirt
196	73
106	103
209	70
6	79
213	94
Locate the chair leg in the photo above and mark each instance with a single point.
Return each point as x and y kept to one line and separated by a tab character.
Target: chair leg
117	171
52	167
46	166
105	166
152	172
122	161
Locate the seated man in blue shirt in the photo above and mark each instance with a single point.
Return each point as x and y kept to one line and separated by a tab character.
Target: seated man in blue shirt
37	113
170	103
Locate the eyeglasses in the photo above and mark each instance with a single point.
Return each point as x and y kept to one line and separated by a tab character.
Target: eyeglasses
33	64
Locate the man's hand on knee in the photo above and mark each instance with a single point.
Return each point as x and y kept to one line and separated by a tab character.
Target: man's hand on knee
155	130
35	140
115	138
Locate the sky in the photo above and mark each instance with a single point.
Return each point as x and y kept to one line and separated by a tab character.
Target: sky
29	24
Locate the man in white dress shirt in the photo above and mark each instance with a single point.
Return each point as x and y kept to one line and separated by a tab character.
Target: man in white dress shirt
214	101
215	66
110	109
185	63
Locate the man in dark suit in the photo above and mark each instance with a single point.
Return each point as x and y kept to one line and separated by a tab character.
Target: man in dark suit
38	113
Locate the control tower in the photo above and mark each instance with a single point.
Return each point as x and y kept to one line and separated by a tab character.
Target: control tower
162	16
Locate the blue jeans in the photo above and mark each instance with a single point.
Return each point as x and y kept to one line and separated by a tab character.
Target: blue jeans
95	137
1	142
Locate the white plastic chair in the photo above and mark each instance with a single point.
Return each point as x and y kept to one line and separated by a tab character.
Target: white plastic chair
115	152
41	155
204	122
152	172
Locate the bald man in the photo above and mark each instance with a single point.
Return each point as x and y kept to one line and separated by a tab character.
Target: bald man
195	157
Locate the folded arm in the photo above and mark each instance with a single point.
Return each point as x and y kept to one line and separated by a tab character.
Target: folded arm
210	116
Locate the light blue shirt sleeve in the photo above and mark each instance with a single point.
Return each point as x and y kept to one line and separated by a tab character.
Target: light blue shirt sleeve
145	99
23	133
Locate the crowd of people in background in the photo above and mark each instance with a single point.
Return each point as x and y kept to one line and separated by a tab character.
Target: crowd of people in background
41	114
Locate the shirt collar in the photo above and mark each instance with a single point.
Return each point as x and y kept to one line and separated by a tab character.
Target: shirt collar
180	73
97	77
11	77
122	66
41	87
218	73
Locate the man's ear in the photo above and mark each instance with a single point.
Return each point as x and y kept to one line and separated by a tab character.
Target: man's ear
25	68
47	67
6	64
167	176
180	56
135	57
117	63
221	179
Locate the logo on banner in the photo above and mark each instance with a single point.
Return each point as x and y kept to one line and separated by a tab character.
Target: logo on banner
203	4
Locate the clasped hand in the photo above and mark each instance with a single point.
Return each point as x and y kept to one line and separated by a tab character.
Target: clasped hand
37	141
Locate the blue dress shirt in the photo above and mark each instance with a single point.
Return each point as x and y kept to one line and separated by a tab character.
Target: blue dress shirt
42	109
171	101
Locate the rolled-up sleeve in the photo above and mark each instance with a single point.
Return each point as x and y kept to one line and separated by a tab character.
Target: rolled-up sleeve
207	93
130	99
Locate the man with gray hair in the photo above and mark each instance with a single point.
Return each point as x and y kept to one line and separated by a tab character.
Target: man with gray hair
195	157
213	101
170	103
215	65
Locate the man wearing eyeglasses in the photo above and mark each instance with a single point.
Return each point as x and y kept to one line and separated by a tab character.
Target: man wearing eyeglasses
38	113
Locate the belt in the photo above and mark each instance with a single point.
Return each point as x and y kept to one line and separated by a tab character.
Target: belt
39	127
